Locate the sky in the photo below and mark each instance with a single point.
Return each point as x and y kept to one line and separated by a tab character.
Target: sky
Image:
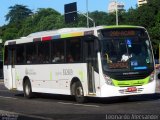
58	5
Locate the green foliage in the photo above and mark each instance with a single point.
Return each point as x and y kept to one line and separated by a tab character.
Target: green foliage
9	32
102	15
17	13
154	32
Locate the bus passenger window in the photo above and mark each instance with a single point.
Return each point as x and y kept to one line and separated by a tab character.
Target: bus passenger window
70	58
43	52
20	54
74	50
31	53
57	53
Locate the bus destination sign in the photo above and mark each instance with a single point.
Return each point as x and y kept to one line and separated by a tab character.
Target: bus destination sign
122	33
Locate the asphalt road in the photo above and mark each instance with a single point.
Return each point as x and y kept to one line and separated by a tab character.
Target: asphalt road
13	106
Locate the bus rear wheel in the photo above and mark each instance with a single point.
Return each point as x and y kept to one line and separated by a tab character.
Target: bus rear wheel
27	89
78	92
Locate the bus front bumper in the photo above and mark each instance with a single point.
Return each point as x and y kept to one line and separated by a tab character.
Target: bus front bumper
111	91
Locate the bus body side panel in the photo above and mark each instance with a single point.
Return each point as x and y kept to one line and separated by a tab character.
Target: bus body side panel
20	74
52	78
13	73
8	77
97	84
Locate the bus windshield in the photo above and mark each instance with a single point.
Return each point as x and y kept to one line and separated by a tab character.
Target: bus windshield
126	50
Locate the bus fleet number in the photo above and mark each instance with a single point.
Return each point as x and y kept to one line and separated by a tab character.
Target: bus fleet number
67	72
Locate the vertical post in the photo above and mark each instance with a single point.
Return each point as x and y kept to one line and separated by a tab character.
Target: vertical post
87	13
116	12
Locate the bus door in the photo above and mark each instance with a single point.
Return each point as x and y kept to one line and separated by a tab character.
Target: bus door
89	58
11	66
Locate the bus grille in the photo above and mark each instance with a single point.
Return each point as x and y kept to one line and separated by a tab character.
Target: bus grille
131	77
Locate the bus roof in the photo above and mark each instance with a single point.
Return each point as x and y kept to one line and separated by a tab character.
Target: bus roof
63	33
122	26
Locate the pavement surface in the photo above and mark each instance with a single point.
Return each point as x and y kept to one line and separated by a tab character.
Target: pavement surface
13	106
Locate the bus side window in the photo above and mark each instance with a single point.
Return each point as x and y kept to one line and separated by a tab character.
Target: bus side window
31	53
20	54
43	52
74	50
57	52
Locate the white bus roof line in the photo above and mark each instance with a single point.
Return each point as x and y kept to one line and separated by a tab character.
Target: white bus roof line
62	31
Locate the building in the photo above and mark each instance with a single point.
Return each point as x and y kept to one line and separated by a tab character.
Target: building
141	2
113	6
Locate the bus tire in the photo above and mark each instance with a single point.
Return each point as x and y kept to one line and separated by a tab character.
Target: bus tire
27	89
79	93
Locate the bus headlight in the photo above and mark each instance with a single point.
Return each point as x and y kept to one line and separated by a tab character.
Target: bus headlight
151	77
108	80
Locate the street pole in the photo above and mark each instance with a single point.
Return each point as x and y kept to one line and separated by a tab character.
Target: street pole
87	13
94	24
116	12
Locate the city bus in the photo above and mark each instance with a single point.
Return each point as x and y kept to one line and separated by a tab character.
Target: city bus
103	61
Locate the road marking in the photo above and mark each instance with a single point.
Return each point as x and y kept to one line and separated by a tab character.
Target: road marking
65	103
4	90
58	102
78	104
25	115
7	97
88	105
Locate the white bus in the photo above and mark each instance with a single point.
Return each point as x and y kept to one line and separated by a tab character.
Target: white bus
104	61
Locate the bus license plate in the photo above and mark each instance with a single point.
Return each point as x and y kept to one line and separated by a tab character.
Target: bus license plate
131	89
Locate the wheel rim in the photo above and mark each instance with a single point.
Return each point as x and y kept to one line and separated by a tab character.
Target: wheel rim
27	89
79	92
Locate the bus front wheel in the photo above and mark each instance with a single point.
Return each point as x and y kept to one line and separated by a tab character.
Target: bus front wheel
79	93
27	89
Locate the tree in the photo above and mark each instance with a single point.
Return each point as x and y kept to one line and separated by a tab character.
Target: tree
10	33
98	14
17	13
46	19
111	19
155	36
43	19
23	22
